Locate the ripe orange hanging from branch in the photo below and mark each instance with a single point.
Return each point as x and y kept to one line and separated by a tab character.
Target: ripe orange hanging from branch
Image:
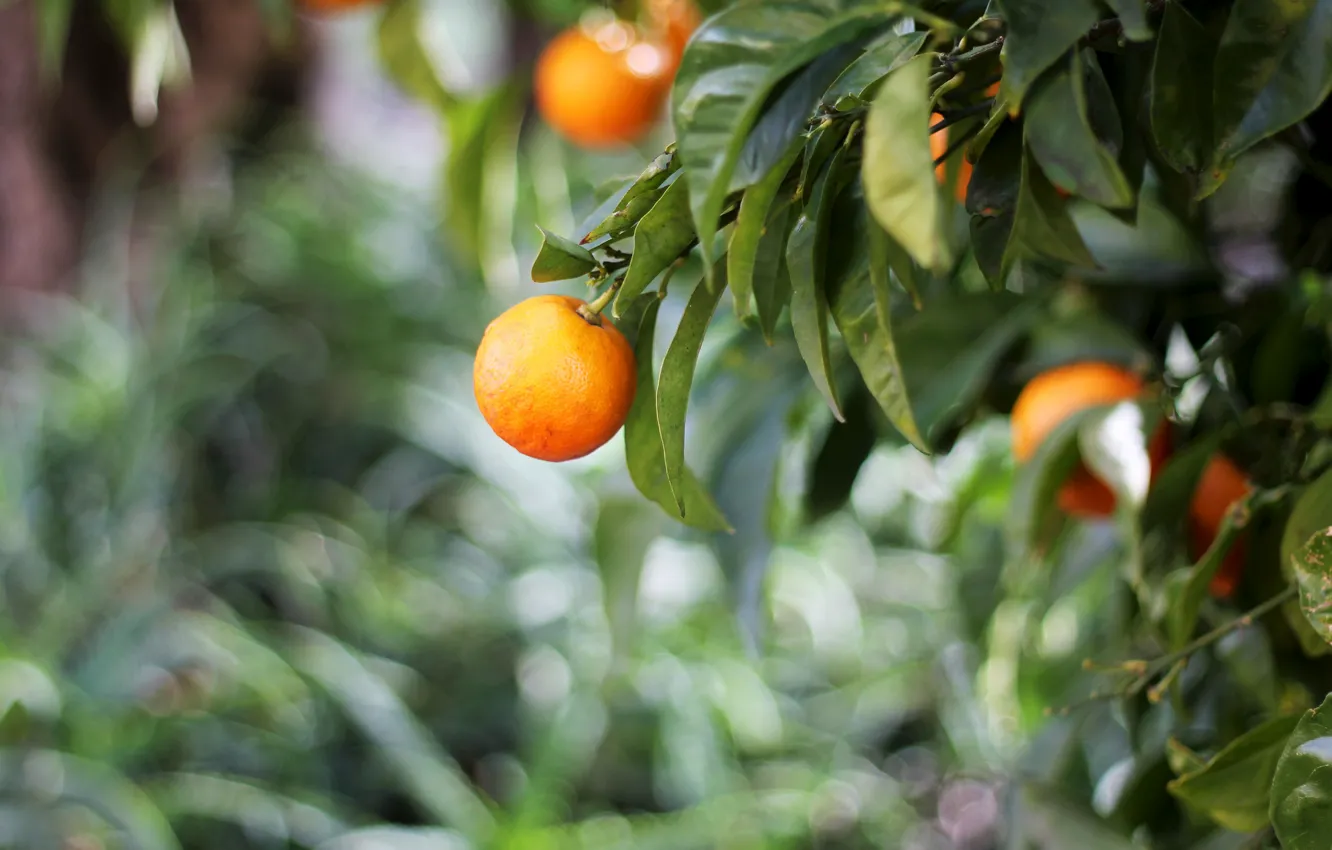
673	22
1053	396
603	84
551	382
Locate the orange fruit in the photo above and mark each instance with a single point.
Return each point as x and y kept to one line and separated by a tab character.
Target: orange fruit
1053	396
550	383
938	146
1221	485
602	87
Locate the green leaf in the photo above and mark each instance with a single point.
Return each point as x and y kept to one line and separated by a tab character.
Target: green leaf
861	307
474	128
772	278
59	780
645	454
1042	228
428	774
661	237
1301	795
898	168
625	529
637	198
677	376
883	56
1167	507
560	259
1039	31
743	257
733	63
1181	111
805	253
1181	759
1060	135
1045	822
1133	16
1313	573
821	143
406	59
1268	52
1233	786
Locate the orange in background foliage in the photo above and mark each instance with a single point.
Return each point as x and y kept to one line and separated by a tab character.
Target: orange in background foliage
1053	396
550	383
603	87
1222	485
674	21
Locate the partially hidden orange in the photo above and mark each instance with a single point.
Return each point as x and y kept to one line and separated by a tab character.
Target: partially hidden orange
603	86
551	383
1056	394
1221	485
674	21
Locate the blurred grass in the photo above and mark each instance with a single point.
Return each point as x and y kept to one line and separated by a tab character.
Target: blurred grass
268	582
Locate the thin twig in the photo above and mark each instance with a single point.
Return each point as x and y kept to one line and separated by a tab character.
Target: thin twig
957	144
954	116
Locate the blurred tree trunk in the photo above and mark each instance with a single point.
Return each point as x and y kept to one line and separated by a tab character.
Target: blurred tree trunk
60	139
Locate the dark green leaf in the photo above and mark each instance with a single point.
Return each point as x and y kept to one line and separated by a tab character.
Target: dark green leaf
898	168
1060	135
1133	16
1181	110
786	116
744	257
1039	31
661	237
880	58
1259	35
1042	228
837	464
1313	572
733	63
644	452
1232	787
404	57
1301	795
992	200
1166	511
772	278
823	140
560	259
677	376
805	253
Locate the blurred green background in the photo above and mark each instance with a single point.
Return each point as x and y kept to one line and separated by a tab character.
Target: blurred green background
267	580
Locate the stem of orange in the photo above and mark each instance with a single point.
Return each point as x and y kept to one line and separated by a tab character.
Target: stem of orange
591	311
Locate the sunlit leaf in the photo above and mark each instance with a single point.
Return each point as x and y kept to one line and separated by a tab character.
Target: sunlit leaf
898	167
633	203
1313	573
677	377
1301	795
882	57
1113	444
560	259
732	64
644	451
805	259
1061	137
1232	787
1039	31
663	235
